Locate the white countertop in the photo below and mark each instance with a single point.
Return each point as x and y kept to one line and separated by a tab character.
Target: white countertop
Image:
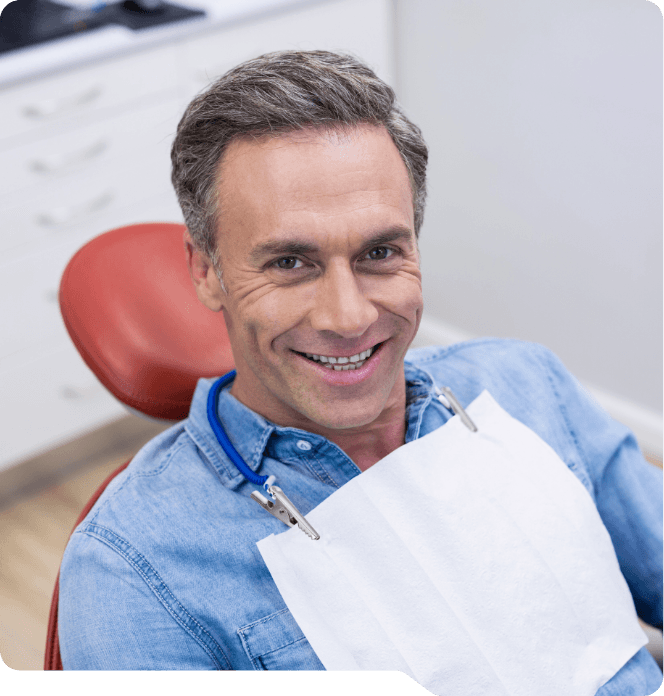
70	52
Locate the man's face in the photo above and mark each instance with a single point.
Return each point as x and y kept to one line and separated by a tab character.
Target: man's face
319	256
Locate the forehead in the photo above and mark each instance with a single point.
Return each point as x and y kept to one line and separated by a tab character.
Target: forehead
313	178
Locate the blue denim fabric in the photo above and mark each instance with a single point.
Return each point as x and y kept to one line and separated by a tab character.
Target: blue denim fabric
164	572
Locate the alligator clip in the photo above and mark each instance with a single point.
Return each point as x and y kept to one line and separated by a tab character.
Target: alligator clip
447	398
283	509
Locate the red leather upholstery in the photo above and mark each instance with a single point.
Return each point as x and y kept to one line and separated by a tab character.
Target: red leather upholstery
132	312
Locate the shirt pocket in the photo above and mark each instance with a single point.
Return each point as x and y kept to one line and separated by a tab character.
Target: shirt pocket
277	642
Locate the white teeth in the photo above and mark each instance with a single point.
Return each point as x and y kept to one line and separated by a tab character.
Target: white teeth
356	360
339	368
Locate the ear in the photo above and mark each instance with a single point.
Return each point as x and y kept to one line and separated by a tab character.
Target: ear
203	276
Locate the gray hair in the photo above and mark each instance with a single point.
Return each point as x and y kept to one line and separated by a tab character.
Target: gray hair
275	94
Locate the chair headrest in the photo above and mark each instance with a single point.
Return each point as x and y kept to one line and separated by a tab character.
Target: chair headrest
132	312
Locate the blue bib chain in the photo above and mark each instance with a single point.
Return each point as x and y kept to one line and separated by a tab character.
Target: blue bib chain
226	444
280	506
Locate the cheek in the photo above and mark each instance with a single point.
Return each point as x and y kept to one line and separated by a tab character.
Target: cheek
281	309
270	312
263	313
400	293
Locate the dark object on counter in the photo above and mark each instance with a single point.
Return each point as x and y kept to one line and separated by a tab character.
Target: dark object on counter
25	23
144	6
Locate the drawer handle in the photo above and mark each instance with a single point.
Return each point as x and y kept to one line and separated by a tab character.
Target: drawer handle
53	107
58	164
65	215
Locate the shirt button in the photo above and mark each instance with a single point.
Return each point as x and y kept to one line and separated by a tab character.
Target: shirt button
304	445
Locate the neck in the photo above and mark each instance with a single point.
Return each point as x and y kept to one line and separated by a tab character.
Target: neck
365	444
374	443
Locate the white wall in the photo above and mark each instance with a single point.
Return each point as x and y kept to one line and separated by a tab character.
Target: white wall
544	219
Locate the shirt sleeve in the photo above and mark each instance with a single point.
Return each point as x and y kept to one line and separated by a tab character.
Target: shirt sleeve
110	616
627	488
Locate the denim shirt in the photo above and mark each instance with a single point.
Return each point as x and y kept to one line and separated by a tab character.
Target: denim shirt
164	572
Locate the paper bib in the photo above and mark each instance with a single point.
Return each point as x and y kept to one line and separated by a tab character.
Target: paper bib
476	563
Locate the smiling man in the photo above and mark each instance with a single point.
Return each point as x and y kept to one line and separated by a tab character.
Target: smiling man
302	184
322	273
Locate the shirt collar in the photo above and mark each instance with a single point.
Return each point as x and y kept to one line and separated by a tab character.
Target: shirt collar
249	432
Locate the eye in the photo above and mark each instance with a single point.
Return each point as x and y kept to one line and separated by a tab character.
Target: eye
291	260
381	252
287	263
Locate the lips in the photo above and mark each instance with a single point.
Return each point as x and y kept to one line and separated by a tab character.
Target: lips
335	375
341	363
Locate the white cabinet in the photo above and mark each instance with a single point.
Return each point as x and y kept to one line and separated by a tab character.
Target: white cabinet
88	150
83	93
82	153
84	176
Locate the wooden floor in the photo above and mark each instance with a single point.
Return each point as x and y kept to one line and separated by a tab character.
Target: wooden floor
33	535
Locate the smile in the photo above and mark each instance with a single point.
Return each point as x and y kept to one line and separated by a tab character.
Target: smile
350	363
353	362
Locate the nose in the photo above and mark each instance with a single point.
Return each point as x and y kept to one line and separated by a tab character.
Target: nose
340	305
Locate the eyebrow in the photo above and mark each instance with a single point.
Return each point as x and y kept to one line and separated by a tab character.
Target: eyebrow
296	247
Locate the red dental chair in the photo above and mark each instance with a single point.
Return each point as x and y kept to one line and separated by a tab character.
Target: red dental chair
132	312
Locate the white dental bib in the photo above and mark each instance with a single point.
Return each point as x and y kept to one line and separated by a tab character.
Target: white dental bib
476	563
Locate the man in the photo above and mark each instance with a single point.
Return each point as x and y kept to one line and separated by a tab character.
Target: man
302	185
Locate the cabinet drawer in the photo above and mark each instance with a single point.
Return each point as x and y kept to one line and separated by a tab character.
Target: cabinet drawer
52	217
359	26
135	166
97	151
62	99
49	400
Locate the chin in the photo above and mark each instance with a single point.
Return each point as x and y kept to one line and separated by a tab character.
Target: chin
342	420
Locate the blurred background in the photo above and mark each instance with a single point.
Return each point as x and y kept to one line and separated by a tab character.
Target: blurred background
543	222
